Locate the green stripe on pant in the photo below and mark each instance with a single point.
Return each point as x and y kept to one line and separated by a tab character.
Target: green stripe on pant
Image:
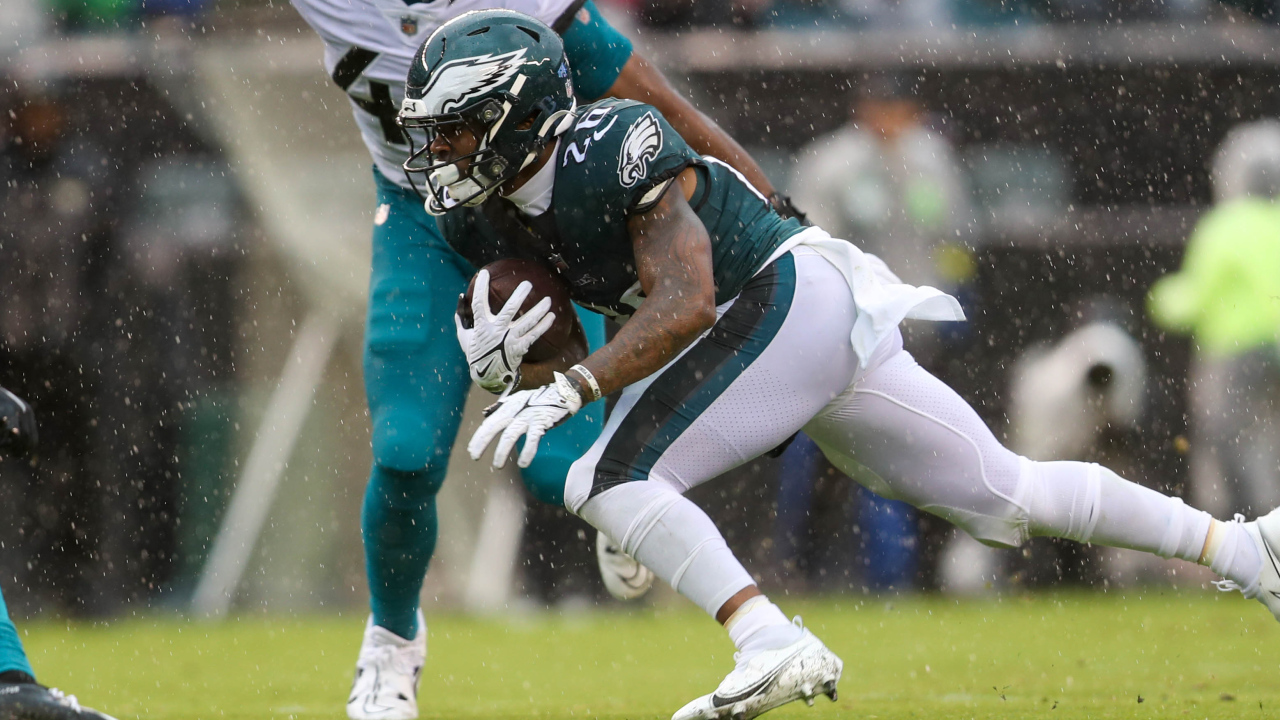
690	385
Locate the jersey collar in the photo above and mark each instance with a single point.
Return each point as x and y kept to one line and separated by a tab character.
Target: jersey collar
534	197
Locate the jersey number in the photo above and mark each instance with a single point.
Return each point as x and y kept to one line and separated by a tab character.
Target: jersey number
348	70
590	120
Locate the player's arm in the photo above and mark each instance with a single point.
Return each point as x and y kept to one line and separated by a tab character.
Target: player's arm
604	64
641	81
537	374
673	262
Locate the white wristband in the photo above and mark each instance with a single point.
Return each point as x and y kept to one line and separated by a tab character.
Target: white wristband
590	379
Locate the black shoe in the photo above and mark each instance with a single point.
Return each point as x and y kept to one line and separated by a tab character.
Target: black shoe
29	701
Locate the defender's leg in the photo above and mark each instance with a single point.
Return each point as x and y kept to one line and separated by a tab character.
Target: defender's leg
20	697
13	659
416	382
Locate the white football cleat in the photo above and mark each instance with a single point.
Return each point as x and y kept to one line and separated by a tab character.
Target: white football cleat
1265	532
766	680
387	673
624	578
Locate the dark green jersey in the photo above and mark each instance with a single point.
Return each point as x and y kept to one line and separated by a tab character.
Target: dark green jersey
619	158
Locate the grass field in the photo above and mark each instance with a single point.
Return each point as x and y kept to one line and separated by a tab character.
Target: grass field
1149	654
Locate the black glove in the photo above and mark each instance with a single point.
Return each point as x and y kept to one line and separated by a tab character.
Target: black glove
783	206
17	425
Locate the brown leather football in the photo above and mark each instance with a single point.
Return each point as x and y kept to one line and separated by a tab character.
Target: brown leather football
565	335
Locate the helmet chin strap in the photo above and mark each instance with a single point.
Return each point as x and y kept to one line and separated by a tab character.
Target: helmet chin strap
555	125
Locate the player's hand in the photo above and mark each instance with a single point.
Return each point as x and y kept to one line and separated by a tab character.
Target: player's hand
530	413
495	344
782	205
17	424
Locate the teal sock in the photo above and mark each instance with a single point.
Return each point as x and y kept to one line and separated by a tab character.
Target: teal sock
12	656
399	524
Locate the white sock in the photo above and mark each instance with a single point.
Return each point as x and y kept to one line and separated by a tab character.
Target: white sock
1230	552
1089	503
759	625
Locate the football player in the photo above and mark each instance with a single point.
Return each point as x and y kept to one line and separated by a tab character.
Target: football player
743	328
21	697
415	374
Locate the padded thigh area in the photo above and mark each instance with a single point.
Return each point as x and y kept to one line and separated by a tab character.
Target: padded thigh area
924	444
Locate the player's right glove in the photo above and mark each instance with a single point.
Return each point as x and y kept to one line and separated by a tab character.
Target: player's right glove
17	424
495	344
530	413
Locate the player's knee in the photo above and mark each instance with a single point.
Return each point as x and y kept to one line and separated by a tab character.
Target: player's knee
577	484
405	444
1063	498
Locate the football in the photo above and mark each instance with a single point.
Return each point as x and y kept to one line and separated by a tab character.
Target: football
565	337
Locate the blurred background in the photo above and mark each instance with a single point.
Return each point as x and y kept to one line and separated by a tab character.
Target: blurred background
184	229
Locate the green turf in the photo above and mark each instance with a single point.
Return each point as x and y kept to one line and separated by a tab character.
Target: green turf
1193	655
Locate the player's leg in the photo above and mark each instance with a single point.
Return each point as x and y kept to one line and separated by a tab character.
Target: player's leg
14	666
416	382
773	359
21	698
927	446
564	444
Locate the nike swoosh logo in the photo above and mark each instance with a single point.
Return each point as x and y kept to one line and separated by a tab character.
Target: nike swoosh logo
371	705
717	701
600	133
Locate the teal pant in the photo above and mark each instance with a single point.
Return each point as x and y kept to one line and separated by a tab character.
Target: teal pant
416	382
12	657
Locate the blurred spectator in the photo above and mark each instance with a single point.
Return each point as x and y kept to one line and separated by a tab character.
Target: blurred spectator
115	267
832	534
1227	296
57	196
892	187
1264	10
833	14
887	183
87	16
680	14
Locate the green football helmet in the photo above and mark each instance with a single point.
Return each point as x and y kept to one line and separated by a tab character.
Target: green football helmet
504	75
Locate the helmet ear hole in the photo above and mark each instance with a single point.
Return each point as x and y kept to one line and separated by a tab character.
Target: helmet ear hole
528	121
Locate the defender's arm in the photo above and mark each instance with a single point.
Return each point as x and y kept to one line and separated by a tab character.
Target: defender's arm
641	81
673	262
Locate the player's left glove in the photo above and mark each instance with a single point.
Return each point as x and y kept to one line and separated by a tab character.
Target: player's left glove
530	413
17	424
495	344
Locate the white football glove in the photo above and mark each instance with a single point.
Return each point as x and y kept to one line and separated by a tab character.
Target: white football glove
530	413
495	344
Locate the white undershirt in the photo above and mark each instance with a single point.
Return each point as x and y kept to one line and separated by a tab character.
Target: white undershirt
534	197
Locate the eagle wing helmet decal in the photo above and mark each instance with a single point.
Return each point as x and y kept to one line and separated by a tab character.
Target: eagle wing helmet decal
643	140
455	82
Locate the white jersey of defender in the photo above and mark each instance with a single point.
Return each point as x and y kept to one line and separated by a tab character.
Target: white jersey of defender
369	46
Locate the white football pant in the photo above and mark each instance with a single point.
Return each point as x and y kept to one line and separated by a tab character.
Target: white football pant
779	360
